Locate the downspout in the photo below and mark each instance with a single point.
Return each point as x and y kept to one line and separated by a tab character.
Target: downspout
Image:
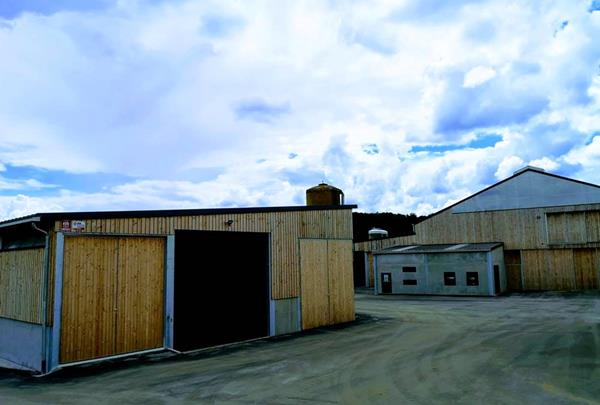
44	314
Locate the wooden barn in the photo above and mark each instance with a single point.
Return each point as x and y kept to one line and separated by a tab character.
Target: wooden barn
77	287
549	226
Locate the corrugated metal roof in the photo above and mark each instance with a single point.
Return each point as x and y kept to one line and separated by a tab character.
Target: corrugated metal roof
445	248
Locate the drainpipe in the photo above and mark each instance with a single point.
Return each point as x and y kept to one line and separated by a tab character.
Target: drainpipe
44	314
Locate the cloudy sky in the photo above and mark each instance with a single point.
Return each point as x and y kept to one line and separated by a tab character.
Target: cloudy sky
406	105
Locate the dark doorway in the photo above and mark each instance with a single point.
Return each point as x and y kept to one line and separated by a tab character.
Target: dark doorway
386	283
359	269
221	288
497	287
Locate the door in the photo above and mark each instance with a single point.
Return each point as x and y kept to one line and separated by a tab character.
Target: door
221	288
359	269
326	281
112	296
497	285
386	283
512	262
315	283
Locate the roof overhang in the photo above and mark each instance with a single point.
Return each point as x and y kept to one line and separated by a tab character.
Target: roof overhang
20	221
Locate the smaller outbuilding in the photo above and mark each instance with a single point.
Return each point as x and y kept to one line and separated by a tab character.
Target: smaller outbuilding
452	269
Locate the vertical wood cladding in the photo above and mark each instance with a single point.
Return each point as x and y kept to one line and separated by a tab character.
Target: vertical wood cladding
327	282
341	280
88	299
21	273
557	244
315	283
285	227
113	296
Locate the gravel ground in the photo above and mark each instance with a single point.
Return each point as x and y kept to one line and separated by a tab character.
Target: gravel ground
530	348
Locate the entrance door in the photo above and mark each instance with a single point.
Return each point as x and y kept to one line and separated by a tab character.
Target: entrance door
497	287
359	269
386	283
221	288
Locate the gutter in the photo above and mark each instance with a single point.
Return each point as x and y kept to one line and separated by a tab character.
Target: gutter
45	278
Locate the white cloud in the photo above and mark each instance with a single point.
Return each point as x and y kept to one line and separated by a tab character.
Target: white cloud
508	166
478	75
154	90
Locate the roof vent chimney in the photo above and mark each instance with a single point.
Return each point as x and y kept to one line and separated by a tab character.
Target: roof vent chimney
534	168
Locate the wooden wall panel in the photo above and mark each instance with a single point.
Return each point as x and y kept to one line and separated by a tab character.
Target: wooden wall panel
341	281
21	283
592	225
88	316
315	283
285	228
517	229
586	269
566	227
548	269
140	294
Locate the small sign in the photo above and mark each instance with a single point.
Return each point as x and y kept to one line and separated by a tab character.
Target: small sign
65	226
77	226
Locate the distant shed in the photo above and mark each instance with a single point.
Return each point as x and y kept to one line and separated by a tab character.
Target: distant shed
455	269
77	287
549	226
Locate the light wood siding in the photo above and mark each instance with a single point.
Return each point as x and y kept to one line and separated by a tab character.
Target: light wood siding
88	299
592	226
112	298
315	283
140	294
21	283
546	238
586	268
517	229
564	269
327	282
566	228
341	280
285	228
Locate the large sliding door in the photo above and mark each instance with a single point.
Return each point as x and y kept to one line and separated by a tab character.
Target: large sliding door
326	282
112	296
221	288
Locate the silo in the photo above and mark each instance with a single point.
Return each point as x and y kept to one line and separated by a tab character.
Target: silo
378	233
324	194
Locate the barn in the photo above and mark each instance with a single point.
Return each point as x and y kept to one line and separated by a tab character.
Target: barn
549	226
81	286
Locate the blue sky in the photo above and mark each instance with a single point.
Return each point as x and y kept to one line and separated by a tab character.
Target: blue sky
408	106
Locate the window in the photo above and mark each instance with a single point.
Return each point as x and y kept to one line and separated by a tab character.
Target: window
449	278
409	269
472	278
409	282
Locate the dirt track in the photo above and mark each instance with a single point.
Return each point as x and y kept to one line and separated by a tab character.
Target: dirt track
517	349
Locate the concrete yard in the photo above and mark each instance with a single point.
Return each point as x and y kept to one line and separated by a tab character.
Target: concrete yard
542	348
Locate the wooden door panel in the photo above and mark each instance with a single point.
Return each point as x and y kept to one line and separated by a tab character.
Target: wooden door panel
88	317
140	296
341	284
314	283
586	269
